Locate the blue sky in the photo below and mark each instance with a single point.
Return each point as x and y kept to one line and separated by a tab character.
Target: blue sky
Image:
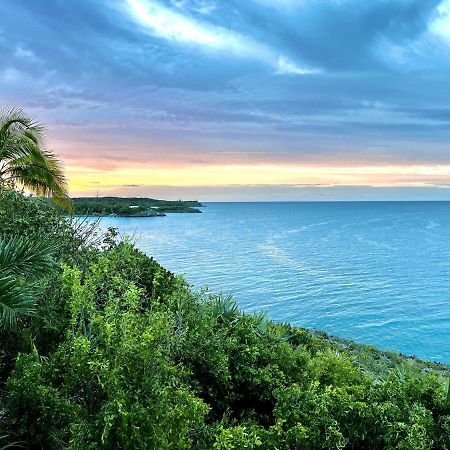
255	99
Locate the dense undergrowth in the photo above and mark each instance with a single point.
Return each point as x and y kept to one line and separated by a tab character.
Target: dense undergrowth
123	354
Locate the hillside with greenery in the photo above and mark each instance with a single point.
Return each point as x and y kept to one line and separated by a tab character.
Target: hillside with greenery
103	348
132	206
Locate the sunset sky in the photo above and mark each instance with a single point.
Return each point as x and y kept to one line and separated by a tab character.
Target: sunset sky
237	100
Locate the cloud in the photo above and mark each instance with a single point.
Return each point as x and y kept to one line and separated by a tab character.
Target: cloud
285	66
441	25
25	54
173	26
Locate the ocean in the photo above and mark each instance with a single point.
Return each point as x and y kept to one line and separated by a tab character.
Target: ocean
374	272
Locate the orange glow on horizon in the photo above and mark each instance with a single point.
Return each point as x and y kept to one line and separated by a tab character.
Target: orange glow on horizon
83	179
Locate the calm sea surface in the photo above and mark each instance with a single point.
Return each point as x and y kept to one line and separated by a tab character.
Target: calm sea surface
376	272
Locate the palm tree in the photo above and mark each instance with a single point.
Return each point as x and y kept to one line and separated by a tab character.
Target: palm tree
24	161
22	263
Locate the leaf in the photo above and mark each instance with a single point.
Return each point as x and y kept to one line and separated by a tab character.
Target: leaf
22	260
16	301
26	258
26	162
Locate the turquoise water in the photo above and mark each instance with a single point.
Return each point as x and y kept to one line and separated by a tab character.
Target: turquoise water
376	272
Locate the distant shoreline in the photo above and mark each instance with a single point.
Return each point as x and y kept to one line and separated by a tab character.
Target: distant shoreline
132	207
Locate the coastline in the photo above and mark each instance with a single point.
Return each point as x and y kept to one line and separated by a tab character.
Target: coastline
379	361
133	207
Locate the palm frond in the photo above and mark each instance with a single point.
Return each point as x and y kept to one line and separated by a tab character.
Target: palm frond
18	146
260	323
25	161
64	202
225	308
21	261
39	178
41	172
21	257
41	163
16	301
14	120
282	332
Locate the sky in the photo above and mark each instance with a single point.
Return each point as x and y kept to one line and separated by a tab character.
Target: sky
237	100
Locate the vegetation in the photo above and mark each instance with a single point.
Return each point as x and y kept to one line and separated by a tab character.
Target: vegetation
121	353
22	261
25	162
178	209
132	206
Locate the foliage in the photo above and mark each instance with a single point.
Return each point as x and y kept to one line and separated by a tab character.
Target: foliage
123	354
22	261
114	368
24	161
38	219
131	206
28	215
74	240
178	209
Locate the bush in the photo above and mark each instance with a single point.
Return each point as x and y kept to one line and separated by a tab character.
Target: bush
21	215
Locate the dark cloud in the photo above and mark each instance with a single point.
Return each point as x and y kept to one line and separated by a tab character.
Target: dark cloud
338	35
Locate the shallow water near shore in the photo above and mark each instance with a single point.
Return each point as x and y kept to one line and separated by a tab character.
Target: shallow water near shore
375	272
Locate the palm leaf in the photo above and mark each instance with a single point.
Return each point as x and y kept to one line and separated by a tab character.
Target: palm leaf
24	160
25	258
14	120
16	301
260	323
30	161
17	146
282	332
22	261
225	308
41	172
